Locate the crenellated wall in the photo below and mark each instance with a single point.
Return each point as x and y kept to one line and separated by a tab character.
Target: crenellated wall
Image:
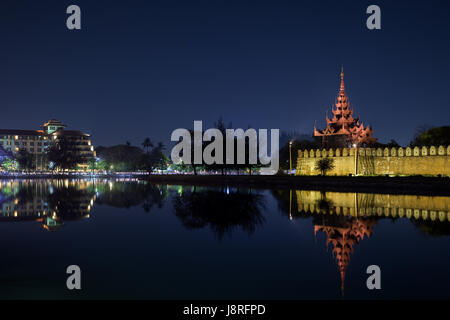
376	161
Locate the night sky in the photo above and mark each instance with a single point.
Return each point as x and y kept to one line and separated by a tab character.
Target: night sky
145	68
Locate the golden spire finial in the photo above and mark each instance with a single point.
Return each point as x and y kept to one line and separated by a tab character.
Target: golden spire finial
342	89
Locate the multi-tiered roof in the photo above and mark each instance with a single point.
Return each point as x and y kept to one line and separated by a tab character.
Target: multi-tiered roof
342	129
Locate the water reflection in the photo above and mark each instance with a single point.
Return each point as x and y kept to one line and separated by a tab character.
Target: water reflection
343	233
223	210
348	218
49	202
127	194
343	219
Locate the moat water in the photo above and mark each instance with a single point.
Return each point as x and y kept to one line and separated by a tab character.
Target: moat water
132	239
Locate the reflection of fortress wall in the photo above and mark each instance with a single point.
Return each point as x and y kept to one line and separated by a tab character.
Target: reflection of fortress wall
366	204
371	161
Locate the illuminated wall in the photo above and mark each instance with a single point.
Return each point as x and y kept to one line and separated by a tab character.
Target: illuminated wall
370	161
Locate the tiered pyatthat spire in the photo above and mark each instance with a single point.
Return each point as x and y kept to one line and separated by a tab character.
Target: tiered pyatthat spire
342	89
342	129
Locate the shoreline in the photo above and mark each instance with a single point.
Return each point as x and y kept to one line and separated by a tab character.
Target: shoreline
375	184
71	176
413	185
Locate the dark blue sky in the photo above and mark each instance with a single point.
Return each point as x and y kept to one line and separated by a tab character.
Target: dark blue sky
145	68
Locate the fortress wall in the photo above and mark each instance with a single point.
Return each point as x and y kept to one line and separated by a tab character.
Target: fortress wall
376	161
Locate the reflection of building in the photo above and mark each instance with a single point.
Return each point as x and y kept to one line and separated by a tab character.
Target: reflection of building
343	234
50	224
347	218
433	208
36	142
50	202
342	129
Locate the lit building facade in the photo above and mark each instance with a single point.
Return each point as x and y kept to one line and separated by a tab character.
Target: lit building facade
36	142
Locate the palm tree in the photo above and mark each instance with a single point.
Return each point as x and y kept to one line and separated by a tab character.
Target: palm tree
324	165
147	143
160	146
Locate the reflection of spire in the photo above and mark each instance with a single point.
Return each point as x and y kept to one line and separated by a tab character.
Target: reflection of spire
343	238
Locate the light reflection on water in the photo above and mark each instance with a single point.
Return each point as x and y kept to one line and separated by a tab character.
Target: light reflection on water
197	233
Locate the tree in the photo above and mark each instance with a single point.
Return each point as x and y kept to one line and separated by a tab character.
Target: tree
439	136
324	165
147	144
122	157
300	143
125	157
154	159
92	164
63	154
180	167
223	167
103	165
9	165
25	160
392	144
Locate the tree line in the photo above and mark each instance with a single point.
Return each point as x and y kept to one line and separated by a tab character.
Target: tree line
63	154
222	168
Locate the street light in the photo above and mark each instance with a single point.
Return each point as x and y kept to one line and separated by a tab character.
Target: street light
356	158
290	157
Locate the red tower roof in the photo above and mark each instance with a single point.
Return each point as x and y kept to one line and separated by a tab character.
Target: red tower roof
344	124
